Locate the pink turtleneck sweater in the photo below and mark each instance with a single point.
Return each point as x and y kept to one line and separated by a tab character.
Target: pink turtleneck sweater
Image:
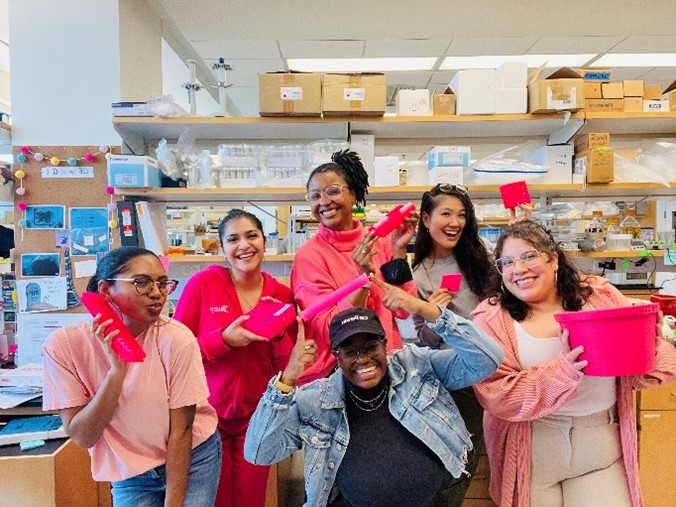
321	266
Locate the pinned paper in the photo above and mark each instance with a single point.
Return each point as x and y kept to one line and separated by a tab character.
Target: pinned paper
85	269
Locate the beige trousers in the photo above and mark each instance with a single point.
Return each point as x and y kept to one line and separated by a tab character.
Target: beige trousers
577	461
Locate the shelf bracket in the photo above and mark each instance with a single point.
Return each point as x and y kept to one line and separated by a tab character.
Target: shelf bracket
566	132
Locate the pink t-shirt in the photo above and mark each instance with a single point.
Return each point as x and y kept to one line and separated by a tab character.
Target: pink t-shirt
171	376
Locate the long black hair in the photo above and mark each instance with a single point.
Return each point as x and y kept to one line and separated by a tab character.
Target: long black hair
470	252
570	286
347	164
114	263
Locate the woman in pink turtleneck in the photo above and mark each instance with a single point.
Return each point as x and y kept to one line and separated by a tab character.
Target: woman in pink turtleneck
341	251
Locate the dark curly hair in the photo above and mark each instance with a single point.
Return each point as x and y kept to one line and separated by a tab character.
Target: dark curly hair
238	213
470	251
347	164
570	286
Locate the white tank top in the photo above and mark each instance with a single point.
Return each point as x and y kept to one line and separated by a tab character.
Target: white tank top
593	394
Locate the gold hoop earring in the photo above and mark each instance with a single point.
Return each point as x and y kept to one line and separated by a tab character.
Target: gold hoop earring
556	275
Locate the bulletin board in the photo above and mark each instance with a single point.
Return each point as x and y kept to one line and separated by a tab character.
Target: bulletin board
55	196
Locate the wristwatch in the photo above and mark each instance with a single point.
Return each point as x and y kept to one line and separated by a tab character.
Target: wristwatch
285	388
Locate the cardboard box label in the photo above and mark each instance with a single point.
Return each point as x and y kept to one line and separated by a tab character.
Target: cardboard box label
354	94
557	98
291	93
655	105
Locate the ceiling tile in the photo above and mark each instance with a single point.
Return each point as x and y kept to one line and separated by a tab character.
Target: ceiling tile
664	74
442	77
415	79
573	45
382	48
322	48
240	49
622	73
647	44
491	46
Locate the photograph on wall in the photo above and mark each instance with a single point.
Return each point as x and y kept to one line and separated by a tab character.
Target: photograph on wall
89	234
41	294
62	238
40	264
45	217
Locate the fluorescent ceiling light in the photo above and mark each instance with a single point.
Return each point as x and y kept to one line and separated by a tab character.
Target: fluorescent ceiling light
360	64
494	61
636	60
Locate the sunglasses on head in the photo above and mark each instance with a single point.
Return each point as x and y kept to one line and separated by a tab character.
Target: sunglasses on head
447	188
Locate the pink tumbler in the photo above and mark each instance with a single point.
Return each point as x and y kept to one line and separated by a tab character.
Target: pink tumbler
514	193
392	220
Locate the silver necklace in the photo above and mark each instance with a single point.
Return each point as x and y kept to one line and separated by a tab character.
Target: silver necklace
373	404
242	295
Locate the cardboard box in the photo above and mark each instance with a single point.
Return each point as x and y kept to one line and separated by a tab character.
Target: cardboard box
604	105
597	165
511	100
133	171
612	90
558	159
633	104
449	156
511	75
131	109
289	94
387	171
561	91
354	94
652	91
474	91
670	95
633	88
655	106
443	103
589	141
413	103
364	145
592	90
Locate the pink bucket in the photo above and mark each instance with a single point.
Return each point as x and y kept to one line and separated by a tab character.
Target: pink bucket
617	341
514	193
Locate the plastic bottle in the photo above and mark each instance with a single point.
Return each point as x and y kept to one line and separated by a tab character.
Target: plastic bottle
393	220
594	229
630	224
613	227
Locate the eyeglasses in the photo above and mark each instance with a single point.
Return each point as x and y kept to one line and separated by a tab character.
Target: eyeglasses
447	188
370	348
330	191
144	286
528	259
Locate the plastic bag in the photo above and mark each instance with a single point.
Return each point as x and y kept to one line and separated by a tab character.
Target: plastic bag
629	171
165	107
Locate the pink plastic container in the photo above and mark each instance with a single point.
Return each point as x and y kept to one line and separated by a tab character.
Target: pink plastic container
667	303
392	220
617	341
514	193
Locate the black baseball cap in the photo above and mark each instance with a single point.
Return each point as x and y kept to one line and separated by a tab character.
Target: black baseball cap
354	321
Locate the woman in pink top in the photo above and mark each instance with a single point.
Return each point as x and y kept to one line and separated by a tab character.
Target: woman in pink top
341	251
554	436
238	363
148	426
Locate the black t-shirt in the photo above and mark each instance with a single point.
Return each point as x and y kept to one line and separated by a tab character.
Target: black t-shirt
384	464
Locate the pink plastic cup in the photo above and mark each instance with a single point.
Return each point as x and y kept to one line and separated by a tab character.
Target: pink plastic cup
514	193
617	341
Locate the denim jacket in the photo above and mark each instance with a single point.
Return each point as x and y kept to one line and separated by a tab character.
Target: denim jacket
313	417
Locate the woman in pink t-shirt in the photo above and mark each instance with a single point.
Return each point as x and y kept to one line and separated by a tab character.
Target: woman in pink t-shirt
148	425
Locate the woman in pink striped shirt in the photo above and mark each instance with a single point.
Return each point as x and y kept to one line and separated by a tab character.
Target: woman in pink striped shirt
555	436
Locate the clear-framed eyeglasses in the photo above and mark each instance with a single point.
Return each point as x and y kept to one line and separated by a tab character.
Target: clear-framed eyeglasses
528	259
144	286
370	348
331	191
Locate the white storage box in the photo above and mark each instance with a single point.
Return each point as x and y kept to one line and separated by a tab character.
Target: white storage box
449	156
413	103
558	159
474	91
511	75
511	100
27	375
133	171
450	175
387	171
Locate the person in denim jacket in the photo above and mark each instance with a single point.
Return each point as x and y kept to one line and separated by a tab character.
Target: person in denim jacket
380	430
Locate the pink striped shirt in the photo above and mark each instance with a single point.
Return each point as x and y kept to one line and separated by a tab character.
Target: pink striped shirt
512	397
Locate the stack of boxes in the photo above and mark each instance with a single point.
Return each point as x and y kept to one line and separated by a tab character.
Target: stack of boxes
629	96
594	159
446	164
313	94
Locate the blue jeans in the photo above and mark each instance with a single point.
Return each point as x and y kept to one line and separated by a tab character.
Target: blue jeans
148	489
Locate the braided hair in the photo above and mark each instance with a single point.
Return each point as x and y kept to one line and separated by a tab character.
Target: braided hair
570	286
348	165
